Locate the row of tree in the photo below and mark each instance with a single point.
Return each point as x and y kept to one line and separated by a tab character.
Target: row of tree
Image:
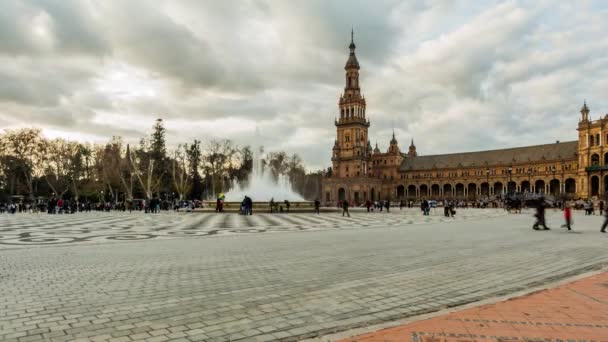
32	167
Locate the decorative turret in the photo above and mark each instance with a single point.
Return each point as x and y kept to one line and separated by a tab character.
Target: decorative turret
369	148
352	62
394	146
412	150
585	111
376	149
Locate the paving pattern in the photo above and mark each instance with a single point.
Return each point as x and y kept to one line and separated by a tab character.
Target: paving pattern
336	275
96	227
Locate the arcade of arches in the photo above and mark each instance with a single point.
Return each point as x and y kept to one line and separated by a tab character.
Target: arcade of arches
571	169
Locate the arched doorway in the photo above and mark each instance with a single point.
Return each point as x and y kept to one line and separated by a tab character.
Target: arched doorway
485	189
357	197
447	190
372	193
554	187
570	186
511	186
595	186
424	190
400	191
459	190
435	190
341	194
472	190
497	188
525	186
539	186
411	191
606	158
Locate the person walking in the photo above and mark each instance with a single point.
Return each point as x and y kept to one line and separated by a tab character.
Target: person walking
317	206
567	216
387	204
603	230
540	215
271	205
287	205
345	208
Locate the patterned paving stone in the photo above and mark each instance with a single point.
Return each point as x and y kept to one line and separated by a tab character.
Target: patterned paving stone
42	229
335	275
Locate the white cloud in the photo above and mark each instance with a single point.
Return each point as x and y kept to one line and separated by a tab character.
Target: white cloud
454	75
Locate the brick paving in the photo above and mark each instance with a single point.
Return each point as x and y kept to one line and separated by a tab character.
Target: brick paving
271	286
574	312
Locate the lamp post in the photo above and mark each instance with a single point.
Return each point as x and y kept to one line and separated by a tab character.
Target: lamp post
488	180
553	170
529	179
562	185
509	170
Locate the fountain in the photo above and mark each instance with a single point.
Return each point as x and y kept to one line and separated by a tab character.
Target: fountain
261	187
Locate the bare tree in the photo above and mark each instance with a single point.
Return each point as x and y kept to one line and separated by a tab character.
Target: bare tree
217	158
179	172
28	147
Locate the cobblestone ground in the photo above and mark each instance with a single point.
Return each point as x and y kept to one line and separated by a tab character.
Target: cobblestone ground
261	287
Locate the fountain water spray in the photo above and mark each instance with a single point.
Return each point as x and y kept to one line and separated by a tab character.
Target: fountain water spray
261	186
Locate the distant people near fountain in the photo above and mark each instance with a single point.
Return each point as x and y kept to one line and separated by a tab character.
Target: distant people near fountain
261	186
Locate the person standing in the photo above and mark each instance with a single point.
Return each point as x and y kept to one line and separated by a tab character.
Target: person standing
272	205
387	203
567	216
317	206
287	205
345	208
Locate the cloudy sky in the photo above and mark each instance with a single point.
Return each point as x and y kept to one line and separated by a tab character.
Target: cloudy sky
454	75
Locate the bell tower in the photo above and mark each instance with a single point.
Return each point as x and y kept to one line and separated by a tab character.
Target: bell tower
350	153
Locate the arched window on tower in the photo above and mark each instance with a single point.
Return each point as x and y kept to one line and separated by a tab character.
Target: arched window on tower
591	140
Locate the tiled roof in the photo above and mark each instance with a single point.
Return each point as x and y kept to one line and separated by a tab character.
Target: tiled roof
515	155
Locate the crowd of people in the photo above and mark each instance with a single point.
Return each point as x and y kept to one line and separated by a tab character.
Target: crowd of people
155	205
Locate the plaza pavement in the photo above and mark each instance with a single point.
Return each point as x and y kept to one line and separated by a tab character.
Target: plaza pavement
331	276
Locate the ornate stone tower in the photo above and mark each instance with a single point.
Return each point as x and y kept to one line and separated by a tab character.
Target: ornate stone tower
350	153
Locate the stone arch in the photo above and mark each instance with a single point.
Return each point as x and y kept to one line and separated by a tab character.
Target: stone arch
525	186
472	190
606	158
400	191
447	190
570	185
484	188
435	190
498	188
595	186
459	190
539	186
424	190
341	194
411	190
554	188
595	159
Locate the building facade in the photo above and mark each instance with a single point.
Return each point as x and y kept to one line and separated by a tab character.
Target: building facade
571	169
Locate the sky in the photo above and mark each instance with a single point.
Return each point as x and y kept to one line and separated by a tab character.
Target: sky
453	75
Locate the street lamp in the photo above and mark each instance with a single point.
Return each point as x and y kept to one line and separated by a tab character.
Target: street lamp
553	170
509	170
562	185
529	179
488	180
